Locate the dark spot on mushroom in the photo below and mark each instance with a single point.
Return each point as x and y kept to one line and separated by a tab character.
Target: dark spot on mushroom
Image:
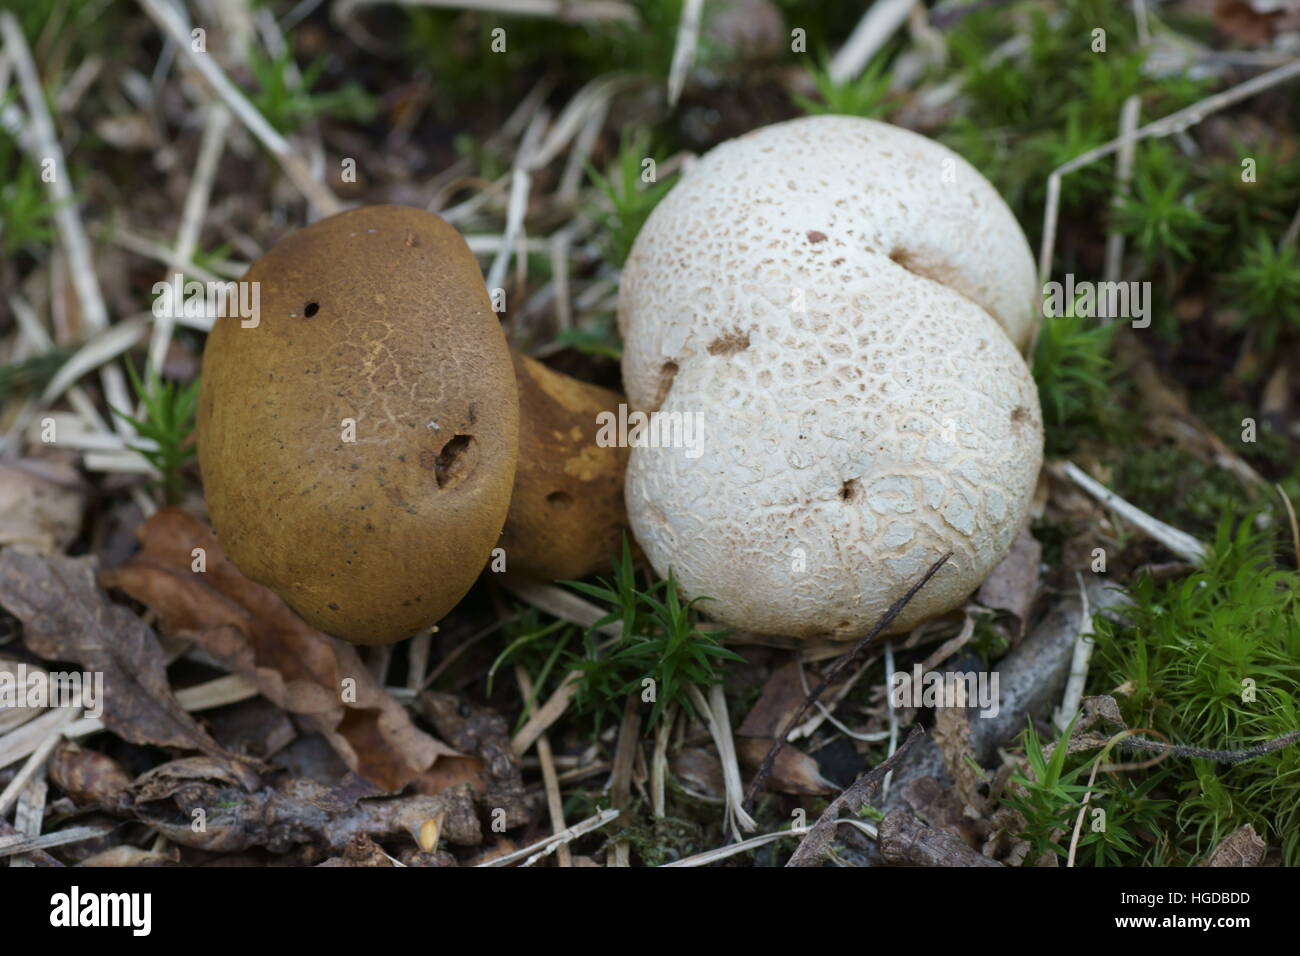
729	344
667	372
815	236
412	240
455	461
901	257
1019	414
310	309
473	413
333	606
849	490
559	499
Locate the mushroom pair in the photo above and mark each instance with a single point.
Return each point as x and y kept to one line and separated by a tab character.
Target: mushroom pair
842	304
364	445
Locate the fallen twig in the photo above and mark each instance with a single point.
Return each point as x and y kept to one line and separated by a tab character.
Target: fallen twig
818	840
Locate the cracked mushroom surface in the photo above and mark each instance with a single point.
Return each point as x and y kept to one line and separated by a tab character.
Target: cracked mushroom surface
842	302
377	317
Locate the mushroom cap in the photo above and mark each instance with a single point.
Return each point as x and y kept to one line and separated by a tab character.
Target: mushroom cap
567	515
378	315
836	313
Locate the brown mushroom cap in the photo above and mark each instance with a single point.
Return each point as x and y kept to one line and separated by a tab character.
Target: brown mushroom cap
378	315
566	513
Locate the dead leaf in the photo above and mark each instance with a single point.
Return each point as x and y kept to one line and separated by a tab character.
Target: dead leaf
1256	22
256	635
701	771
126	855
782	696
793	771
88	777
66	617
41	504
1013	584
1241	847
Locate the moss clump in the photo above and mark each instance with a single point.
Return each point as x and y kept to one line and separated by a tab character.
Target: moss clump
1178	488
1213	660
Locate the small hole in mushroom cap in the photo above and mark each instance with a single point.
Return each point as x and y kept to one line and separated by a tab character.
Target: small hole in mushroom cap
667	372
454	461
559	499
849	490
310	309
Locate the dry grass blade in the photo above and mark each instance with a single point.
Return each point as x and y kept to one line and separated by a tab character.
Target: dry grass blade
732	849
316	192
72	234
10	846
1179	542
881	21
688	38
544	847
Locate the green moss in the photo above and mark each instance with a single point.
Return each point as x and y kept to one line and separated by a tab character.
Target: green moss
1074	373
1213	660
1178	488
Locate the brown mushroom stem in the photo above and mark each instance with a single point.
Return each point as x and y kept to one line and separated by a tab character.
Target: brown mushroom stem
567	515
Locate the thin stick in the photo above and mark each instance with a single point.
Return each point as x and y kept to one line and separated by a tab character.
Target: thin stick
192	216
818	839
1128	119
1179	542
688	38
881	21
659	763
1083	646
893	716
10	846
29	815
344	12
731	849
554	802
37	760
547	845
765	769
67	218
521	183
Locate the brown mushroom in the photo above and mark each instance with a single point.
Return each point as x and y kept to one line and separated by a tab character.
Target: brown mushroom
566	511
358	444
